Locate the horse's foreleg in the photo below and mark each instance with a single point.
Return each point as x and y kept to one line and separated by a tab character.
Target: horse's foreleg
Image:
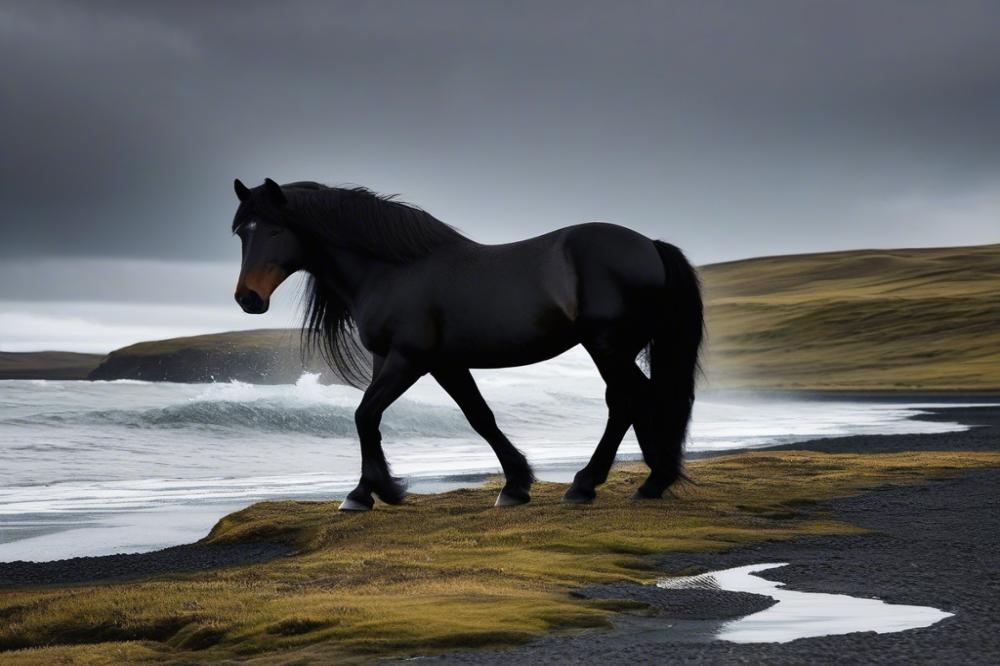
460	385
394	376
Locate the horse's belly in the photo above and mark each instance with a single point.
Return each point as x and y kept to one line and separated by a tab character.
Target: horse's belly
505	341
509	357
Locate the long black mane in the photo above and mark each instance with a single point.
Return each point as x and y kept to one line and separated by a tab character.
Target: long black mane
371	224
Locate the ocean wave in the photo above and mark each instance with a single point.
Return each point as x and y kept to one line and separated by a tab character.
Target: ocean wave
236	408
222	416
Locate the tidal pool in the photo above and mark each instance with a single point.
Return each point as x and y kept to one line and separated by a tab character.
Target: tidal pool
803	614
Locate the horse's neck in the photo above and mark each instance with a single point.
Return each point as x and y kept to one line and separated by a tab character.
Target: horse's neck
347	273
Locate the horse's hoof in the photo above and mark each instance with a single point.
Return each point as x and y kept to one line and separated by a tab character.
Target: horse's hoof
392	499
577	496
354	505
641	495
507	499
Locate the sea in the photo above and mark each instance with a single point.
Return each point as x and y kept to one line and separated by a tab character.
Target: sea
95	468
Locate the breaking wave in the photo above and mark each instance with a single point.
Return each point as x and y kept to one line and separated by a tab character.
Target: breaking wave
308	408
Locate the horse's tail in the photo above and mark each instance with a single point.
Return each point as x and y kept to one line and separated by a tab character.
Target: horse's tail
673	360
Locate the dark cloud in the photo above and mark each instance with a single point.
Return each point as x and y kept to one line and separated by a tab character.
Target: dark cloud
730	128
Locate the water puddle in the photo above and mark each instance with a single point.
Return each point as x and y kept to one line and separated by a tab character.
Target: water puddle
803	614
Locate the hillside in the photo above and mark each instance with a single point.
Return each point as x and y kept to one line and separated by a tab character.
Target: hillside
47	365
926	319
263	356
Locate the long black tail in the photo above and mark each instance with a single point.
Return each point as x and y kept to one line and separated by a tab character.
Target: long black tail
673	361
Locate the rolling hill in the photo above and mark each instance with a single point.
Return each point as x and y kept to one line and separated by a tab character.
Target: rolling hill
923	319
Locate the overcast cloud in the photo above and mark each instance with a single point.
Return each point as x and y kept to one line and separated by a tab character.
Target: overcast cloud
732	129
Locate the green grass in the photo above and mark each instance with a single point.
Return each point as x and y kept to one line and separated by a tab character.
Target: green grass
441	571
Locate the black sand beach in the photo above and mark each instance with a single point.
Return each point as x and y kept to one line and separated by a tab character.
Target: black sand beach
934	544
188	558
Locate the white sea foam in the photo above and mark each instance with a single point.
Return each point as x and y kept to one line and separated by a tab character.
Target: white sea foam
82	448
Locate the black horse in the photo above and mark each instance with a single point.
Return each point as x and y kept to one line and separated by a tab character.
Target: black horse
423	298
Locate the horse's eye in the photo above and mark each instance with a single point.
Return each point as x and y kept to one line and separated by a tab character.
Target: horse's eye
276	232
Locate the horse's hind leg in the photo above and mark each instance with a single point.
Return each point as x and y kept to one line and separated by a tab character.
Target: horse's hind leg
629	399
585	483
460	385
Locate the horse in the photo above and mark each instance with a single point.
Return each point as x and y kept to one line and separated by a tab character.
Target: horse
394	294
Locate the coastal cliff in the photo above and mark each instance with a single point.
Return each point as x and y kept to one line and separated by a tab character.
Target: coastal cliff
47	365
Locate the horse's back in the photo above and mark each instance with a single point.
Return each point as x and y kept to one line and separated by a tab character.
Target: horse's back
504	305
519	303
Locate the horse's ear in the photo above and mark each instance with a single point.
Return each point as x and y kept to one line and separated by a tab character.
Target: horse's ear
242	191
274	192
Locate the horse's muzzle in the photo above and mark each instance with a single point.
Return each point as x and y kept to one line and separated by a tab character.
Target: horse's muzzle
251	302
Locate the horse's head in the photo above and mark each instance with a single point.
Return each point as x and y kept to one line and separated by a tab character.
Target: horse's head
271	251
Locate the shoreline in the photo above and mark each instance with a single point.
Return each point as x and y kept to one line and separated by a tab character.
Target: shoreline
144	522
897	561
193	556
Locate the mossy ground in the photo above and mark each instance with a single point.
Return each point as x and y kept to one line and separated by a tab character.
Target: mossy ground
440	571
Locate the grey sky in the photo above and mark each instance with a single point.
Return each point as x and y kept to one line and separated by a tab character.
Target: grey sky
733	129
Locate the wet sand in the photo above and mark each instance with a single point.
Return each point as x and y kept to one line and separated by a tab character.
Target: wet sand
188	558
933	544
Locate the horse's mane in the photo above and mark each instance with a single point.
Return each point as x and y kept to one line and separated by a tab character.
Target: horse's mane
370	224
373	224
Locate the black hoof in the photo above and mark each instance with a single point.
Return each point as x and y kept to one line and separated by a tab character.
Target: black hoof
578	495
512	496
645	493
350	504
358	499
393	494
503	499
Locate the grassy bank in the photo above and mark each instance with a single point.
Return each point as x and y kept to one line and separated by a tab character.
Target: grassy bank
441	571
885	320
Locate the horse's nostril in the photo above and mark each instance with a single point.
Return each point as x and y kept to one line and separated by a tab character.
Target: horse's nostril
251	302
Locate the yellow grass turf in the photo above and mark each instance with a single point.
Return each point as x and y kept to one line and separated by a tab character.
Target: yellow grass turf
440	571
922	319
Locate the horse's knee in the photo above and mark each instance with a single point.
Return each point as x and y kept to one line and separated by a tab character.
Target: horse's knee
366	420
484	423
618	400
